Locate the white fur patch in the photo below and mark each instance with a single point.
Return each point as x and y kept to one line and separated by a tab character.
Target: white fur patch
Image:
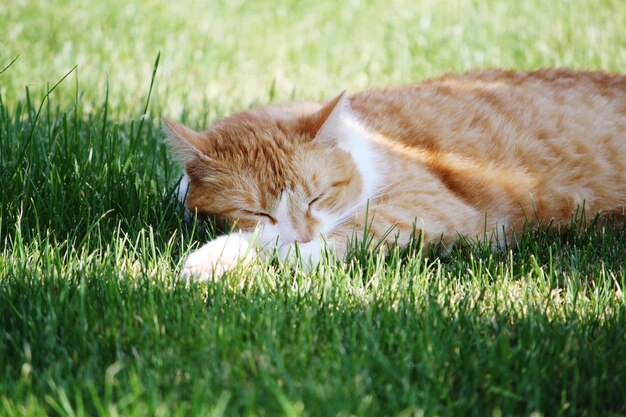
218	256
283	227
354	140
183	188
181	192
345	130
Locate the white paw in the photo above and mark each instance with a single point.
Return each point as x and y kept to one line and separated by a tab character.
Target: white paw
217	257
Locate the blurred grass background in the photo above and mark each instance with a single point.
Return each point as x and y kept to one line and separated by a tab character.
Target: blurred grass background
229	53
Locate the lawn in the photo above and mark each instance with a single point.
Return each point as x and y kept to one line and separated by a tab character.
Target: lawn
94	320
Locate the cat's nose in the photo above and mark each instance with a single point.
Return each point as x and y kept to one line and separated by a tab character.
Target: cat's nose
305	239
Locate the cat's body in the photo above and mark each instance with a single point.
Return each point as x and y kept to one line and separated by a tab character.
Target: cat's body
461	155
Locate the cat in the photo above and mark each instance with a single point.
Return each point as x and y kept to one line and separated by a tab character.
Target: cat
480	153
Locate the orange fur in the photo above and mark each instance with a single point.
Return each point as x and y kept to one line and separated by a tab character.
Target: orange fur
456	154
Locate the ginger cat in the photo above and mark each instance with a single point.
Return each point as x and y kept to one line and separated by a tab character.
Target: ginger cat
468	154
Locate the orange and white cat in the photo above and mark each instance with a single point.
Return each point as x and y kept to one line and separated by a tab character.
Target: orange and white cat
460	155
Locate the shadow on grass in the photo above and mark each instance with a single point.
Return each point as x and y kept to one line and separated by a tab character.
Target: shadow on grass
141	345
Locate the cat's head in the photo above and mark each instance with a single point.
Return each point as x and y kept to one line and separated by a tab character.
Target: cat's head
293	169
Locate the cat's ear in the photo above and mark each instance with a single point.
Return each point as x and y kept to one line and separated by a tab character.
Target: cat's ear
326	124
185	143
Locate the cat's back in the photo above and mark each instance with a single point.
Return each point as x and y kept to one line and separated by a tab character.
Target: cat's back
482	107
556	134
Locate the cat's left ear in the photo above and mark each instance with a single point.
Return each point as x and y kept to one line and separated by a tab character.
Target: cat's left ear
186	144
326	125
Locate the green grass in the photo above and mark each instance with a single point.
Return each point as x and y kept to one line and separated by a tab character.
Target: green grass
94	319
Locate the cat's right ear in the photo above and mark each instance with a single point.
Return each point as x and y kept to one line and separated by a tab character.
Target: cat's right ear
326	125
186	144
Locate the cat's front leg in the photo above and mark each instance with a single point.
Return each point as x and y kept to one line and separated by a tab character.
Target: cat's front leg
218	256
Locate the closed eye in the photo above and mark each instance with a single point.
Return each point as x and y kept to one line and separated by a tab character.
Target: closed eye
260	214
315	200
341	183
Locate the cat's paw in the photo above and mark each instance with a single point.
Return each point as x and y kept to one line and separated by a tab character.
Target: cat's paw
217	257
